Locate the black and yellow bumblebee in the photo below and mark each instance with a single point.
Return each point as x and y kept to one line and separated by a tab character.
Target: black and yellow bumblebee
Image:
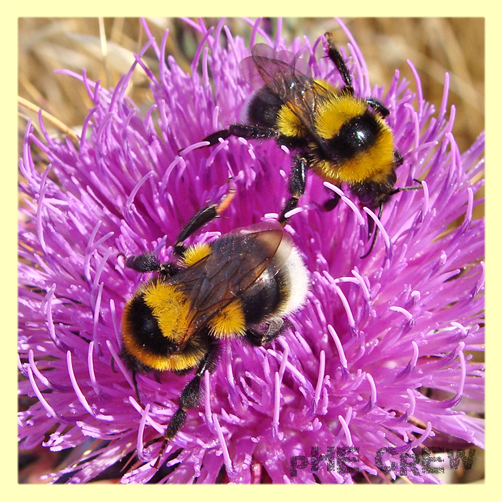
344	139
241	285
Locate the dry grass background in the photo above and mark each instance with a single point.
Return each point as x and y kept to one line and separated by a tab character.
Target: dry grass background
105	47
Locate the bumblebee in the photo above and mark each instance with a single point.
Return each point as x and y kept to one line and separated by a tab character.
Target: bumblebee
342	138
241	285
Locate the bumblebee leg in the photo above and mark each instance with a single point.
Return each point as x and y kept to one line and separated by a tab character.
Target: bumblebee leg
214	138
143	263
407	189
252	132
148	263
371	223
379	107
336	57
258	339
189	398
205	215
135	383
332	202
371	226
398	159
261	132
297	182
241	131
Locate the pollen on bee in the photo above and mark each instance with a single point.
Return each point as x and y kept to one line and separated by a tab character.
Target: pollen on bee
229	321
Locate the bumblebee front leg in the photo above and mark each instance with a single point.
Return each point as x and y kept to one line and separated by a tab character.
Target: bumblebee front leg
297	182
147	262
189	399
205	215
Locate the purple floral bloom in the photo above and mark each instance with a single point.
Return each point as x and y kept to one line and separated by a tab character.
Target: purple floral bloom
375	367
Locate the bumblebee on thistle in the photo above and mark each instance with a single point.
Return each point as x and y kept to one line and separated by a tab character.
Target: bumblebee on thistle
340	137
350	370
241	285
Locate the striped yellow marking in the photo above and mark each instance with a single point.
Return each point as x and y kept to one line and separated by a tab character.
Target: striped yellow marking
373	165
195	253
229	321
174	362
289	123
335	111
171	309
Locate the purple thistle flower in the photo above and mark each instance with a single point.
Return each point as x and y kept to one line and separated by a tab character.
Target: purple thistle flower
375	368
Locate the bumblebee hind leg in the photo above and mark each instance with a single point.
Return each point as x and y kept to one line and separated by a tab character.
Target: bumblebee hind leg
214	138
205	215
189	398
147	262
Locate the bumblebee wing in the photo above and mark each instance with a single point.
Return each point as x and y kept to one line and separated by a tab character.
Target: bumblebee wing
288	77
236	262
255	247
265	65
278	70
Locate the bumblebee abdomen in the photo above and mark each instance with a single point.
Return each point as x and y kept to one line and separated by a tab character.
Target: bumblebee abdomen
264	297
229	321
262	108
279	292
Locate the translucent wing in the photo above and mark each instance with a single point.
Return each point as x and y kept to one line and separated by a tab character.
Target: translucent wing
266	65
236	262
288	77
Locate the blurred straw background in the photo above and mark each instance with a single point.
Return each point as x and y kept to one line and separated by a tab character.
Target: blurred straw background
105	47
